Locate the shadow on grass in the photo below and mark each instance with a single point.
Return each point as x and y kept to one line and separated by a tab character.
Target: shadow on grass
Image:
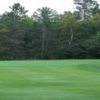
90	67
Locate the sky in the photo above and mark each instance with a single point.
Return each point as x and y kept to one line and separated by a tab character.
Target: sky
33	5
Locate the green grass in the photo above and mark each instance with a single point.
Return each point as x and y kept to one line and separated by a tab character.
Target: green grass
50	80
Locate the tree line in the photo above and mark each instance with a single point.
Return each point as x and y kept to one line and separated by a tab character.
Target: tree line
49	35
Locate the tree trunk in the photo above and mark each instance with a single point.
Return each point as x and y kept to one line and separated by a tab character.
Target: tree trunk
43	42
72	34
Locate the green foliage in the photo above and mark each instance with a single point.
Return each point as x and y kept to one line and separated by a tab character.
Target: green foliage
68	18
96	21
17	11
45	15
92	45
68	26
48	35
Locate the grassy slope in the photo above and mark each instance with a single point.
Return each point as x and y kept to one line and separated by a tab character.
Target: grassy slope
50	80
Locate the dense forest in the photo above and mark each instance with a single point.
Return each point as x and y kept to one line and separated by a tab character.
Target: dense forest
49	35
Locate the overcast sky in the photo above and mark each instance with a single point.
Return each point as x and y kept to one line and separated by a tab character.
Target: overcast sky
32	5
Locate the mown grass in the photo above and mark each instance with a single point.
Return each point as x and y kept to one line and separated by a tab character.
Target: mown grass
50	80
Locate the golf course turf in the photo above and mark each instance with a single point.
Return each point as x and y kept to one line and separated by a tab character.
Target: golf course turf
50	80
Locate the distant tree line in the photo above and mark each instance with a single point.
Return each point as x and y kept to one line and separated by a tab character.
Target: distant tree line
49	35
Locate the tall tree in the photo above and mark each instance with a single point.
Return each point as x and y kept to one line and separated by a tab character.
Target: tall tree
68	25
45	16
16	16
17	11
85	7
6	42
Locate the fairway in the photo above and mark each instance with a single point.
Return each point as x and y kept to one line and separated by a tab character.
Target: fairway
50	80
